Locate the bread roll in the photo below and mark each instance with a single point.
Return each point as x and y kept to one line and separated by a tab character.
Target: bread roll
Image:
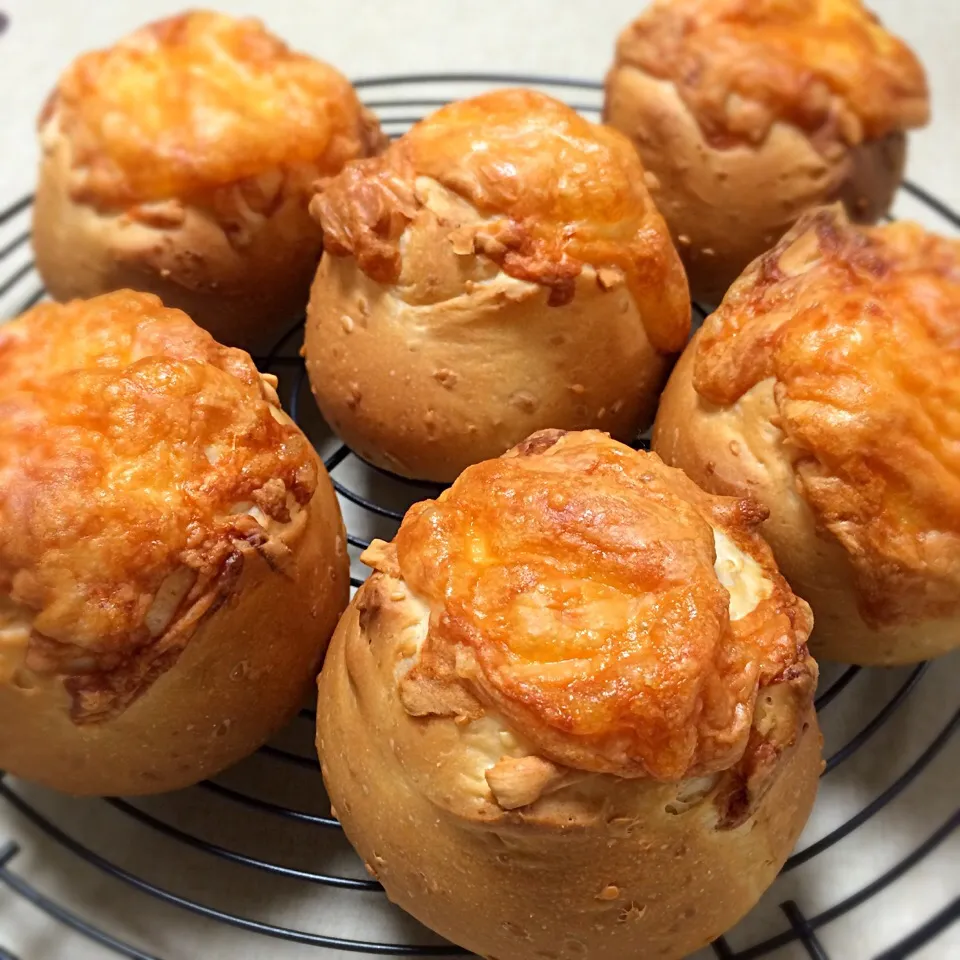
500	269
173	559
570	714
180	162
827	387
748	114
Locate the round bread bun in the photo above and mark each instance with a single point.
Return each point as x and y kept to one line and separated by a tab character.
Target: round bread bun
826	387
500	269
173	560
181	161
747	115
570	714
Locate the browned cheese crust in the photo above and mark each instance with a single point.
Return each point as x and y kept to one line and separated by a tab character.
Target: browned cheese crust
180	161
499	269
574	590
833	363
557	193
762	109
143	469
548	676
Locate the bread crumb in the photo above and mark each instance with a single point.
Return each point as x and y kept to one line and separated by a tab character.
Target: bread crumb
519	782
609	277
631	913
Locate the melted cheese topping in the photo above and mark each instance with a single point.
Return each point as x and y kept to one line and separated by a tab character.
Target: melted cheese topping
487	741
741	65
202	100
113	509
542	193
859	329
575	588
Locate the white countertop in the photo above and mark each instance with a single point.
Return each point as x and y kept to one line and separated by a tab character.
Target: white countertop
376	38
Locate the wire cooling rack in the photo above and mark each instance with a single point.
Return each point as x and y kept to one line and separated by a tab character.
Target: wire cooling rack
252	863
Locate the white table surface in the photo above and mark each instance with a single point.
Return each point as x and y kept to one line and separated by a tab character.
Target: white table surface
545	37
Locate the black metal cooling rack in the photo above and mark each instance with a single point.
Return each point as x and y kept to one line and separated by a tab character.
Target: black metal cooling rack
375	506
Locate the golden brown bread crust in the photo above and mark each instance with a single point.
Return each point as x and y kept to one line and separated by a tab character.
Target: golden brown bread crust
826	67
459	309
824	387
529	856
573	588
244	277
147	478
473	362
747	115
209	216
552	193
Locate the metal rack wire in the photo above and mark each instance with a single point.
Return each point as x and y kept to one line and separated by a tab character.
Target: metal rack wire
377	504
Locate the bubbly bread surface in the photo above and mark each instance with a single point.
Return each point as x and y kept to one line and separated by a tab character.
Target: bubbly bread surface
528	183
136	453
198	101
826	66
621	620
859	330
